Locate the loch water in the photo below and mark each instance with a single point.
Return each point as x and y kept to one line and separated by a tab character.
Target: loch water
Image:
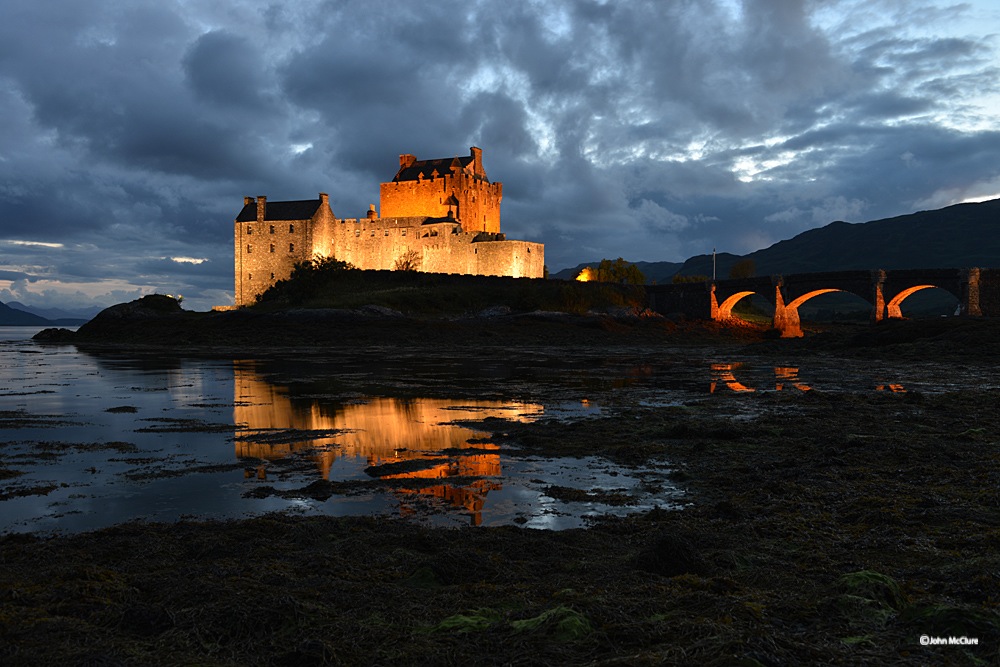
92	439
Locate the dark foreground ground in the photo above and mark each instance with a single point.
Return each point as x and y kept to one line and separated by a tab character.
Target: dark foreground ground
823	528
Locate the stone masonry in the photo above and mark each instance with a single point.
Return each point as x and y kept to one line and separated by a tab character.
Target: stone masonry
442	216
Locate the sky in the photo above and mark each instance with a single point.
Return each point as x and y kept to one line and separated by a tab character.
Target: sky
652	130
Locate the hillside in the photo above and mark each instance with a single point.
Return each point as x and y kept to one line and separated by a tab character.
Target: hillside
963	235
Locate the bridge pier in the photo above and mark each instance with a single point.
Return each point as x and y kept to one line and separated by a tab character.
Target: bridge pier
786	316
969	303
878	296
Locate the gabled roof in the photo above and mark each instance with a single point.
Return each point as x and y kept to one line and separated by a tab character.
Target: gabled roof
426	168
303	209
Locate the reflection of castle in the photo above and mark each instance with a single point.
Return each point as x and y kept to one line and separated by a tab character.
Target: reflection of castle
439	216
379	430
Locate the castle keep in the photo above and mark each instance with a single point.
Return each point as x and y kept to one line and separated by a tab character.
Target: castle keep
438	216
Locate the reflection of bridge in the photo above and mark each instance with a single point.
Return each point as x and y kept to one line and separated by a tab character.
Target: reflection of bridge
977	291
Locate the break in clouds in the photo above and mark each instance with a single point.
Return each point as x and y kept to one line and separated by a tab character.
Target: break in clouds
648	130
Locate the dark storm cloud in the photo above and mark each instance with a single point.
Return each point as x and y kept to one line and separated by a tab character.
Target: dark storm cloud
648	129
226	70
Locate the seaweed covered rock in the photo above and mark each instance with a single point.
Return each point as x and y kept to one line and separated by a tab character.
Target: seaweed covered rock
111	319
55	335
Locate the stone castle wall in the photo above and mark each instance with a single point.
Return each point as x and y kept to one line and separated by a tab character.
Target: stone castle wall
473	201
441	247
266	251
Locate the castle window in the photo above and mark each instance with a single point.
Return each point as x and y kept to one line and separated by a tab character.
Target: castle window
357	232
272	247
373	232
272	276
249	248
387	232
404	232
249	229
249	276
291	229
272	229
291	247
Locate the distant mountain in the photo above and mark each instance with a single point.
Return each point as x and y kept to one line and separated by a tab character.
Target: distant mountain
83	314
959	236
14	317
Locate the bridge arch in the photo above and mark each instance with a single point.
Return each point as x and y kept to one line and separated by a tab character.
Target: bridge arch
726	307
893	307
786	315
798	301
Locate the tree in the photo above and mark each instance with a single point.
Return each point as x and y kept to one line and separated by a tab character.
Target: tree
408	261
308	276
745	268
678	279
619	271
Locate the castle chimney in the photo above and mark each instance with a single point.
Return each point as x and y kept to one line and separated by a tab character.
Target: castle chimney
324	199
261	207
406	160
477	160
247	201
371	212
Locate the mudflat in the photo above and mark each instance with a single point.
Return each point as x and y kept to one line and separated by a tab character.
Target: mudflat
818	527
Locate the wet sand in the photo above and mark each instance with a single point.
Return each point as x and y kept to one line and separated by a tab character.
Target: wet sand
819	528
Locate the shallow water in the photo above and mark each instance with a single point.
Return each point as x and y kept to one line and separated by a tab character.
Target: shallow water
104	438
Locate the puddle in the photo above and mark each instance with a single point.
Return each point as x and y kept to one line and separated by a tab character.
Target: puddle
424	440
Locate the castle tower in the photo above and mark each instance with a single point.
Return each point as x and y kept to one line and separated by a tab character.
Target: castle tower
269	238
432	188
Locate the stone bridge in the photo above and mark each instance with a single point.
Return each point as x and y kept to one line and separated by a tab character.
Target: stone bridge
977	291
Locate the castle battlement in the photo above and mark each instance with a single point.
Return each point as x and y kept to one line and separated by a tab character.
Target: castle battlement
439	216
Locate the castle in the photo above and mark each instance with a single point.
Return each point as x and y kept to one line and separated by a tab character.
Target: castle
438	216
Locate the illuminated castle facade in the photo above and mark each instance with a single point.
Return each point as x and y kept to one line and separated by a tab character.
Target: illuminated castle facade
438	216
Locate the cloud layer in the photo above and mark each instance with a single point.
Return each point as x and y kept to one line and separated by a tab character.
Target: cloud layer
650	130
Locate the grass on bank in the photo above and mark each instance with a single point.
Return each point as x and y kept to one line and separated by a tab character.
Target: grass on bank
329	283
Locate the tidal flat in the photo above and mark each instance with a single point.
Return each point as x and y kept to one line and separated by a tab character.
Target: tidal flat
828	500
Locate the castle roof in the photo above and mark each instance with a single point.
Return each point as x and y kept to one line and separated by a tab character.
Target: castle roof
302	209
426	168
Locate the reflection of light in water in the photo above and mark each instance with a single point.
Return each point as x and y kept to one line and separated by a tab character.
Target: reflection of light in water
379	431
784	377
789	374
724	373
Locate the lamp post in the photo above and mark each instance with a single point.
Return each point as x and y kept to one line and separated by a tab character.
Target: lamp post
713	264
